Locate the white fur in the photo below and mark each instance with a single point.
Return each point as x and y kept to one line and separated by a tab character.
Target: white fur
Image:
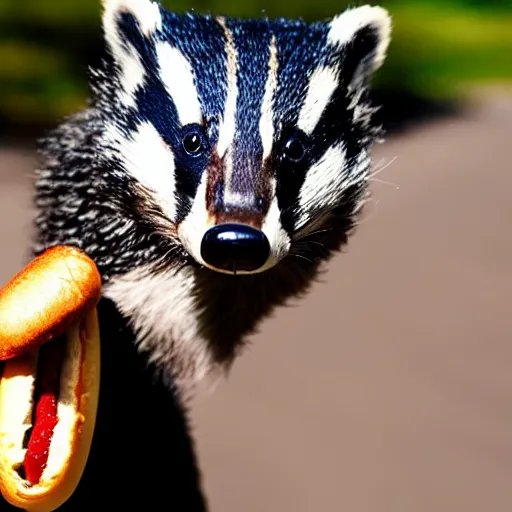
322	84
148	15
197	222
323	184
178	78
326	180
267	113
149	160
227	127
230	196
164	315
228	124
346	25
133	75
276	235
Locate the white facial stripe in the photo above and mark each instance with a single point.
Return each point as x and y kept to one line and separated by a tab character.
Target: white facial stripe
267	114
323	183
132	70
178	78
345	26
148	16
227	127
230	197
277	236
360	170
322	84
156	172
234	199
197	222
228	124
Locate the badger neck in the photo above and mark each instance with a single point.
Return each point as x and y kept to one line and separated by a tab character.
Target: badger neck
142	454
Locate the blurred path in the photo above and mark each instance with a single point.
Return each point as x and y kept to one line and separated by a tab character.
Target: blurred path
389	389
16	168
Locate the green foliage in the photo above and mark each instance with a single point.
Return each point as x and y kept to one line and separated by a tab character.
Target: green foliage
440	51
439	47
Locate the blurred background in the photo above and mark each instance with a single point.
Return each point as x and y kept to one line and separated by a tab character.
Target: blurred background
389	387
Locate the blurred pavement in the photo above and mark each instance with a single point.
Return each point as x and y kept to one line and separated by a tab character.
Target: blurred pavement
389	389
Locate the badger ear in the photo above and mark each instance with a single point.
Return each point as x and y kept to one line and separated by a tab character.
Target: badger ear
360	37
128	23
128	26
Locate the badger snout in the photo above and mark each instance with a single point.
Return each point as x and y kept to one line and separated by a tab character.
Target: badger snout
235	247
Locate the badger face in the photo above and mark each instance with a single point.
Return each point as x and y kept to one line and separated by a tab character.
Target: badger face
240	138
220	163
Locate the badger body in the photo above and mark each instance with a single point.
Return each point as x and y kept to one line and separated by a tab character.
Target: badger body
220	163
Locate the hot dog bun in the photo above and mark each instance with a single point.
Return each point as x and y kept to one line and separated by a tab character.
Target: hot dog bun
61	279
43	300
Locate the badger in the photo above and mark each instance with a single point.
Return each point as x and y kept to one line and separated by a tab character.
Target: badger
219	164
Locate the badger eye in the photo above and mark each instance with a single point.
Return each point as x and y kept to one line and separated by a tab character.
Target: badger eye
193	142
294	150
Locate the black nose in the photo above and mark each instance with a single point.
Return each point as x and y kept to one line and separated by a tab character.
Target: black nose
235	247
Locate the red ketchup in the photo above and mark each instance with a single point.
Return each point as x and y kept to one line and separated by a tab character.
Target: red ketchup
45	417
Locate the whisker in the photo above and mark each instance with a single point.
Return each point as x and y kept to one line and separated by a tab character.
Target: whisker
394	185
301	256
379	169
301	237
317	232
313	242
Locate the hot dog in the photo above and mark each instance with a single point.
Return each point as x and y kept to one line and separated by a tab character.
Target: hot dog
42	300
49	390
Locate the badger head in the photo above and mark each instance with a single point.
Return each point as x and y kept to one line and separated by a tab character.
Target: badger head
221	162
